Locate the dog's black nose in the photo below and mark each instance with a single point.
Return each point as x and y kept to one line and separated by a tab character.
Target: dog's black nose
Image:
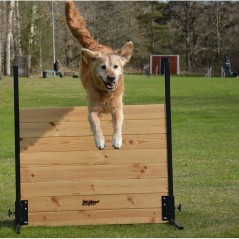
111	79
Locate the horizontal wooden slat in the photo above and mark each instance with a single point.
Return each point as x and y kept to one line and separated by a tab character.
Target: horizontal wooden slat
127	216
48	129
94	157
53	114
94	187
155	111
68	173
103	202
87	143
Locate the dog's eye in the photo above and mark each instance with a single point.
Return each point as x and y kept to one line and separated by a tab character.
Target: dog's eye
103	67
115	66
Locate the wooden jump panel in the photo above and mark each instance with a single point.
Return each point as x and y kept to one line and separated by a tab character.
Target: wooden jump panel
62	170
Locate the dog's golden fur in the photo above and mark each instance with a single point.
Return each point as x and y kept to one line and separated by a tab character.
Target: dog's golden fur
101	72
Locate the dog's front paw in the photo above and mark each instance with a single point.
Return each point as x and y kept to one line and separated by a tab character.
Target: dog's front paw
117	142
100	142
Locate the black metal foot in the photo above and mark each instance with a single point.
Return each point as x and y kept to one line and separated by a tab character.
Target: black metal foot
18	228
176	224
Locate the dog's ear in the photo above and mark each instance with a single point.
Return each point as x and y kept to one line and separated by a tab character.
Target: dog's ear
89	56
126	52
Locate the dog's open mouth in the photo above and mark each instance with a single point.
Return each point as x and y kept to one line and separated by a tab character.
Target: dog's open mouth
108	86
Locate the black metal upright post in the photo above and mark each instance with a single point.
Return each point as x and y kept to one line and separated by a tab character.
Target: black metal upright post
17	150
21	206
170	198
169	129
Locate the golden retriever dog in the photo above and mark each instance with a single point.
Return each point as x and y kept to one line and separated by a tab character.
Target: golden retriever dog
101	73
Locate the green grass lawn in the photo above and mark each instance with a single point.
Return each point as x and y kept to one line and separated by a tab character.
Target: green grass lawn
205	125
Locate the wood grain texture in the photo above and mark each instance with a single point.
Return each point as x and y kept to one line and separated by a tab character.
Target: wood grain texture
154	111
94	157
94	187
63	144
61	167
91	217
55	129
68	173
104	202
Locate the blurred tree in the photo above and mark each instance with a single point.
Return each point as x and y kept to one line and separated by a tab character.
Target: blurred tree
9	39
17	30
2	34
153	21
187	21
202	33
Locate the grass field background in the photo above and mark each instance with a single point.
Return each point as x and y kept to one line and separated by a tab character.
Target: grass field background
205	125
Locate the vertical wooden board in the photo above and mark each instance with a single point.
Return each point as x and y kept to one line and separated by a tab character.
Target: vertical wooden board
127	216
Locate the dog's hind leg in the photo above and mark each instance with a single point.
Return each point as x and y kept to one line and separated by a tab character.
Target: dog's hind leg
117	118
96	128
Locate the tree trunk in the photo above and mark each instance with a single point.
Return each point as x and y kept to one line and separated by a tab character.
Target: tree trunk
1	37
31	36
188	36
28	65
9	37
17	45
217	29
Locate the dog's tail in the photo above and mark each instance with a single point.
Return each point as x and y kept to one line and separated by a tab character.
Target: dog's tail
78	28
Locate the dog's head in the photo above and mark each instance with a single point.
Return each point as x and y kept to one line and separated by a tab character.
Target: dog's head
107	68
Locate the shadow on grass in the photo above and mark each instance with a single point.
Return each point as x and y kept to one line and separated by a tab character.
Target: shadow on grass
7	224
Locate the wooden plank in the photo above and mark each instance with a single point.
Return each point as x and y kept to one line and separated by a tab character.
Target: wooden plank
103	202
53	114
64	144
94	187
126	216
153	111
94	157
49	129
55	129
69	173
